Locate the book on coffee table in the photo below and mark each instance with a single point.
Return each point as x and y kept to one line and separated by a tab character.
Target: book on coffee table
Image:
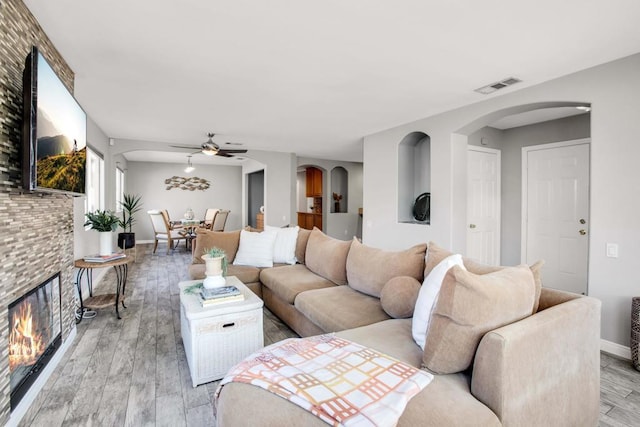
214	293
104	258
221	300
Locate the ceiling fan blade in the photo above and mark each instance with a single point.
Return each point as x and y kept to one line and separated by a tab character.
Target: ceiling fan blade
186	147
223	154
232	151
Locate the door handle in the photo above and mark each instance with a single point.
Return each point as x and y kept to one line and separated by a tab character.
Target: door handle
472	226
582	232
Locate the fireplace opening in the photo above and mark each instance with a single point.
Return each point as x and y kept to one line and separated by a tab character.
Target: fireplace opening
35	326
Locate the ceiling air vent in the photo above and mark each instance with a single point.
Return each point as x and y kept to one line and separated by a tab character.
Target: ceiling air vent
485	90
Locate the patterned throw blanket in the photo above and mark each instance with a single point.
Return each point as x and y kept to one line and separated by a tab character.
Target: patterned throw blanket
339	381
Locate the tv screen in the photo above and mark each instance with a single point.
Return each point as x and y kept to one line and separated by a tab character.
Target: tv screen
55	132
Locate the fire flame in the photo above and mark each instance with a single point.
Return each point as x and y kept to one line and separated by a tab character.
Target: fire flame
25	344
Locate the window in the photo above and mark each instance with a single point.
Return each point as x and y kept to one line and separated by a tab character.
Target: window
95	182
119	189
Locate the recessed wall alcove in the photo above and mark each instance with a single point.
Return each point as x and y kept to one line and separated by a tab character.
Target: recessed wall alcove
414	174
339	189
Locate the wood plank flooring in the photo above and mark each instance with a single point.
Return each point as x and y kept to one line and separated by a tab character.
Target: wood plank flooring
134	372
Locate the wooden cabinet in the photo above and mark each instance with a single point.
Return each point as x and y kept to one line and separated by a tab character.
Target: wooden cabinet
309	220
314	182
260	221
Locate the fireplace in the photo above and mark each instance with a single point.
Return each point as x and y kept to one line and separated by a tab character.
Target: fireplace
34	334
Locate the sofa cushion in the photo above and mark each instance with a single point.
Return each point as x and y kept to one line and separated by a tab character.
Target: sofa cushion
470	305
228	241
339	307
327	256
284	248
398	296
435	254
428	296
368	269
288	281
255	249
301	244
245	273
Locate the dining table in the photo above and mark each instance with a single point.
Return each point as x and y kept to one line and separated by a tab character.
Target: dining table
189	226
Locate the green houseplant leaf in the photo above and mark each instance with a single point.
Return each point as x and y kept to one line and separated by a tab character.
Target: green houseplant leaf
130	204
102	220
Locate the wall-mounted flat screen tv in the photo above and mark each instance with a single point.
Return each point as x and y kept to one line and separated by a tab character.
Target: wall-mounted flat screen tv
54	132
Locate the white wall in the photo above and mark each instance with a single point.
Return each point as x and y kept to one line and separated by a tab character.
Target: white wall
510	142
611	90
339	225
147	180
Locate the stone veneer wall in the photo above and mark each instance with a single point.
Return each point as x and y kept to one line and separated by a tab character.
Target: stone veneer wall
36	231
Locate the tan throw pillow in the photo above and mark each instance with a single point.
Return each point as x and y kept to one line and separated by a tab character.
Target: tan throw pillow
225	240
435	254
399	295
327	257
470	305
301	245
368	269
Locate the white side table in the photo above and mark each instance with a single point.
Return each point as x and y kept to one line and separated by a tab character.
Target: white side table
218	337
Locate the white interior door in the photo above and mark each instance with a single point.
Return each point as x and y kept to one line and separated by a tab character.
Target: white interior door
556	212
483	204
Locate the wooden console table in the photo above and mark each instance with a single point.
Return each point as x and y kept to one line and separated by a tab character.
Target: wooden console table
121	267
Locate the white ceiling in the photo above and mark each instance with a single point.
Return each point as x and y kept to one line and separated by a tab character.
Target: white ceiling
314	77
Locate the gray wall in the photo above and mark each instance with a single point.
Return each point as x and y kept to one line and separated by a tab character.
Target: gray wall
147	180
510	142
280	185
339	225
614	175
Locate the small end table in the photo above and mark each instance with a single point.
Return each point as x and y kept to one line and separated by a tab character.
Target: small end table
217	337
121	267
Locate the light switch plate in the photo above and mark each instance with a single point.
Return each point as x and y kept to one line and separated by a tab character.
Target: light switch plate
612	250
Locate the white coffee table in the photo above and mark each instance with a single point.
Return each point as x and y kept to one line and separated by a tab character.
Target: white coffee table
218	337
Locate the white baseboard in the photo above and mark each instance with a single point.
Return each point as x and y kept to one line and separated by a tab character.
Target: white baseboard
615	349
30	396
144	241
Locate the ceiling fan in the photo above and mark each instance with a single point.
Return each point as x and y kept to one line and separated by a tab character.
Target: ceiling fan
210	148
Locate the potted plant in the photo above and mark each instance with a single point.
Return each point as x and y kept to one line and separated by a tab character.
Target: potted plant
130	204
106	223
216	267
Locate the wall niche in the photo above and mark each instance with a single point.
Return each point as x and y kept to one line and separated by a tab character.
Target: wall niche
414	174
339	190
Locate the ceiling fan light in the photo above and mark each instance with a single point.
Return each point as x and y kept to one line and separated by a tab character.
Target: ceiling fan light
189	167
209	152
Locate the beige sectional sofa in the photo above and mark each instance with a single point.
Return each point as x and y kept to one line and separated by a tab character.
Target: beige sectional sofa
539	370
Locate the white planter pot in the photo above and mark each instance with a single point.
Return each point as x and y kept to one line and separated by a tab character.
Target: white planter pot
213	272
106	242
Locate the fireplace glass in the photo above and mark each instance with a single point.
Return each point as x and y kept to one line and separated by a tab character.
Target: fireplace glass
34	334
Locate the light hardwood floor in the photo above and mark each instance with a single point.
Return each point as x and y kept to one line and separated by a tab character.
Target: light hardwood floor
133	372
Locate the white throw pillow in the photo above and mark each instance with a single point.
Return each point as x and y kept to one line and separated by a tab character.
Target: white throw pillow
428	296
255	249
284	249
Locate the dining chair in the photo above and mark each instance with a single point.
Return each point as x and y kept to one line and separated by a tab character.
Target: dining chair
209	218
220	220
162	230
173	225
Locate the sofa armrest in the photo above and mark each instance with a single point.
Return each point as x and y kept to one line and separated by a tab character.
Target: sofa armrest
545	369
